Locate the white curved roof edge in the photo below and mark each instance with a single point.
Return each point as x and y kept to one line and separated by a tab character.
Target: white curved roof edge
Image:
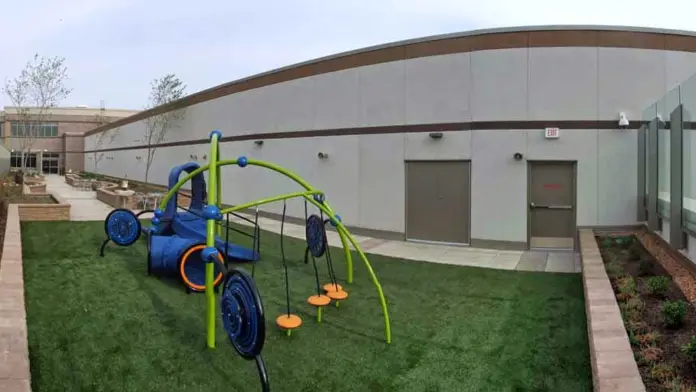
438	37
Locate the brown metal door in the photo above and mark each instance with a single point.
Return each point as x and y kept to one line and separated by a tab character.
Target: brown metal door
552	205
437	201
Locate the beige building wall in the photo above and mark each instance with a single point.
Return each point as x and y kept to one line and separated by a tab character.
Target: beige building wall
72	124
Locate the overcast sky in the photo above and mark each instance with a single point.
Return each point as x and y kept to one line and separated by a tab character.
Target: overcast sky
114	48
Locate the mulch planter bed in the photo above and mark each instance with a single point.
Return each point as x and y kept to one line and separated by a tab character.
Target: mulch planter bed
644	287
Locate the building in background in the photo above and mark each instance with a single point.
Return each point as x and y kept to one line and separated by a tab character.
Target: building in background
58	142
505	138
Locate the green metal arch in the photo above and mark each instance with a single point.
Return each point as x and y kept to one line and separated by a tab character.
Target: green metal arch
310	191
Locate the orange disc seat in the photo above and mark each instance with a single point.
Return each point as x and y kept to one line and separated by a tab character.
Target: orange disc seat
337	295
319	300
332	287
289	321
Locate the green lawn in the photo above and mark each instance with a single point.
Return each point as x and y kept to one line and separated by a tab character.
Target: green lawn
101	324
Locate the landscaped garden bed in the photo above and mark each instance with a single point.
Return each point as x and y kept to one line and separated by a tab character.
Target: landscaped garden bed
659	318
110	190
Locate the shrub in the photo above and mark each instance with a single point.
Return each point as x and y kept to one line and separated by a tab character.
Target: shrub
648	339
690	350
613	268
626	285
646	267
662	372
632	309
637	327
677	385
623	297
633	339
651	354
673	313
658	285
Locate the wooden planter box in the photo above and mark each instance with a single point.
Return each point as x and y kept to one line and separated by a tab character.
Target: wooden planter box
34	188
108	195
60	211
71	178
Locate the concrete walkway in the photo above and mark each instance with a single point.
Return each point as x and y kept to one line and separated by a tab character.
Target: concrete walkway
85	206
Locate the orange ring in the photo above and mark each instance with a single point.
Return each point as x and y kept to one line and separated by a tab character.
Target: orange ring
337	295
333	287
183	261
289	321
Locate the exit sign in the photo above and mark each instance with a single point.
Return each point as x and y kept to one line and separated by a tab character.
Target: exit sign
552	133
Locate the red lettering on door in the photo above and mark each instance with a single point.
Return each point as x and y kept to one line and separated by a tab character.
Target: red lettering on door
552	186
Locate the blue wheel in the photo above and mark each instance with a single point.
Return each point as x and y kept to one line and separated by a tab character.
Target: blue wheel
242	314
122	227
315	232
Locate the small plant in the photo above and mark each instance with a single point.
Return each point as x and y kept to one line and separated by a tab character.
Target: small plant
626	285
632	309
677	385
637	327
673	313
651	354
613	268
662	372
623	297
633	338
689	350
658	285
648	339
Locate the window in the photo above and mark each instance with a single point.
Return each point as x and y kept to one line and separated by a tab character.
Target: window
33	129
16	160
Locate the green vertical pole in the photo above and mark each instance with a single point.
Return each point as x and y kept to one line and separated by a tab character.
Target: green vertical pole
210	239
219	187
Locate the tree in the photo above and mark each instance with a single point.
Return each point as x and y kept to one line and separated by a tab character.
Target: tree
103	137
165	90
39	87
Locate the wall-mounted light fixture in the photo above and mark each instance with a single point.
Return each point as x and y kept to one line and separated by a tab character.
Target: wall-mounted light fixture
258	142
323	155
45	150
138	157
193	157
12	150
435	135
205	157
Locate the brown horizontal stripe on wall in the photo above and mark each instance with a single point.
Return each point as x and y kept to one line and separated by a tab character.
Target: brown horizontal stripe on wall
413	128
432	46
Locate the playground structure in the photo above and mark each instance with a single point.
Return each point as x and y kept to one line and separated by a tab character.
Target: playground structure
190	244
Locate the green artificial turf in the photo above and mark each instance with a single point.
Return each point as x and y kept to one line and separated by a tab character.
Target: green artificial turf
101	324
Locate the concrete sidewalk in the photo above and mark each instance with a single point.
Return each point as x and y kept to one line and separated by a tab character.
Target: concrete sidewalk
86	207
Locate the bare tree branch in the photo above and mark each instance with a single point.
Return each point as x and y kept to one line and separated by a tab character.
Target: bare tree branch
39	87
107	137
164	90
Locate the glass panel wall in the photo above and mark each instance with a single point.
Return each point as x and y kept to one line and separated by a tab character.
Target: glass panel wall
669	164
688	101
648	115
663	158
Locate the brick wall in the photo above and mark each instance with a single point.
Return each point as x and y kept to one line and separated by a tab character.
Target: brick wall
14	366
613	366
